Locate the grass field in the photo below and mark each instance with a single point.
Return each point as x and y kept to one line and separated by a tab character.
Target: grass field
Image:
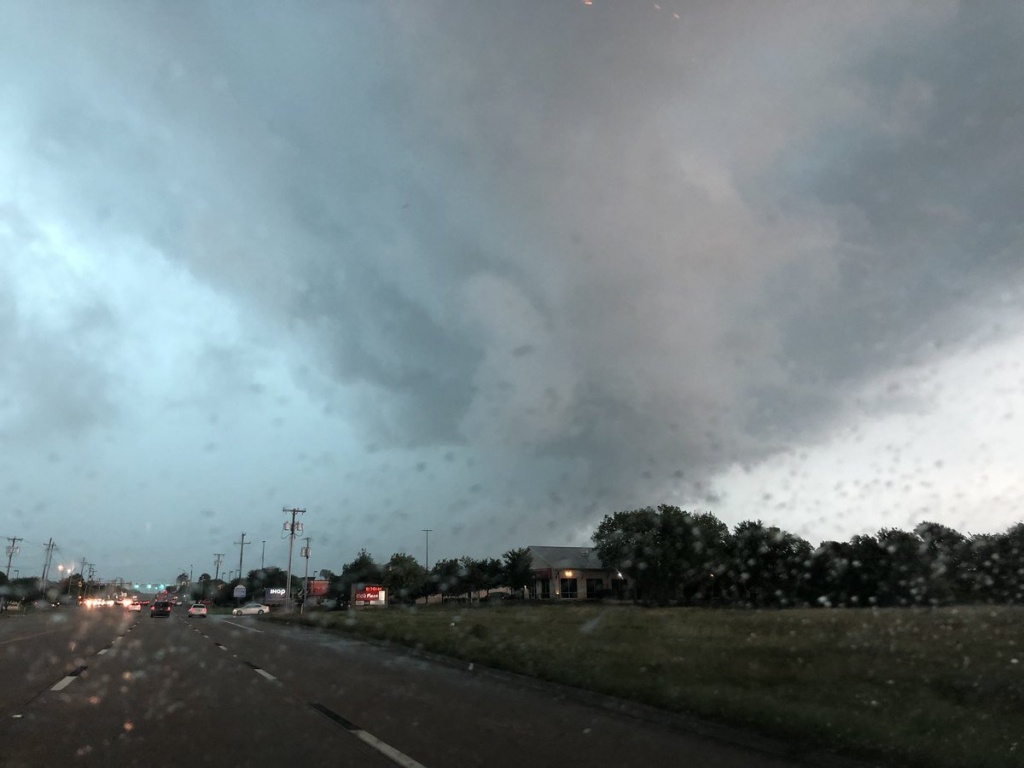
921	687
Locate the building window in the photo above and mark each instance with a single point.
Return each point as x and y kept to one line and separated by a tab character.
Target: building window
545	589
569	589
595	589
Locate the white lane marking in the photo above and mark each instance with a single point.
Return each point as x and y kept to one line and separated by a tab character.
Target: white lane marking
63	683
266	674
367	738
222	647
241	626
386	749
102	651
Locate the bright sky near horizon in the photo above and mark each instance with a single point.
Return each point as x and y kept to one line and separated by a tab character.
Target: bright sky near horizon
500	269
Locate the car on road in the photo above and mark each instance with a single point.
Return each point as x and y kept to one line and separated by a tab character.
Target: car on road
198	610
250	609
134	606
159	608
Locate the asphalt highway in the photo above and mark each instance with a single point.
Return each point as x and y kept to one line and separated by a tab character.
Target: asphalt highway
107	687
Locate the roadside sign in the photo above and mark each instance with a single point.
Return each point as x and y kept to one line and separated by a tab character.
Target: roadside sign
239	592
370	594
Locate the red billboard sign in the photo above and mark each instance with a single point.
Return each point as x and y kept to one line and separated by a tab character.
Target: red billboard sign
370	594
318	587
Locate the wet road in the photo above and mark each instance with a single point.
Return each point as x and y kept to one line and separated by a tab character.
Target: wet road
107	687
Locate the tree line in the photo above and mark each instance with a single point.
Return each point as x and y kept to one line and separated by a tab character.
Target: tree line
672	556
405	579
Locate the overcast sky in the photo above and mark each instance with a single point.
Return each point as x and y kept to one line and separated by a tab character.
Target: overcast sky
500	269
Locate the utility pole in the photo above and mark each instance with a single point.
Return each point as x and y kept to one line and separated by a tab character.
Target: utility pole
304	552
241	550
428	531
92	571
291	529
218	558
12	550
263	556
49	554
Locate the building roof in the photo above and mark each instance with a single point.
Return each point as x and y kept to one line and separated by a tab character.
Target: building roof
563	558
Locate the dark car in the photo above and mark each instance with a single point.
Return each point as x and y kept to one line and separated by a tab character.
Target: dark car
159	608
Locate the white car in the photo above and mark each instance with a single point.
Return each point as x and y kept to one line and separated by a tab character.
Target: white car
134	606
250	609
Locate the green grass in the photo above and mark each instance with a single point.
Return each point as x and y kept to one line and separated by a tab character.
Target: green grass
911	687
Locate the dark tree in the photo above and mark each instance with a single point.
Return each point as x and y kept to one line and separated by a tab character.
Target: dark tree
946	559
404	578
446	577
768	564
360	572
472	575
668	554
493	573
516	570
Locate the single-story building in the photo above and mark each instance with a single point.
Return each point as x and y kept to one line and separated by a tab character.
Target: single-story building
573	573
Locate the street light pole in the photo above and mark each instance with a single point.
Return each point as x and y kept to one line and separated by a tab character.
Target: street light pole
427	531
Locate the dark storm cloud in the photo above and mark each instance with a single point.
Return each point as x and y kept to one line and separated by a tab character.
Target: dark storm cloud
53	376
927	205
600	236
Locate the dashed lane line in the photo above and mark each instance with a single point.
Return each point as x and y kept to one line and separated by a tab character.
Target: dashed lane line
400	758
68	679
260	671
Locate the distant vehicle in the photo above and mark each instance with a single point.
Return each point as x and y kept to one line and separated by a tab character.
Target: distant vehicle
134	606
250	609
198	610
159	608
